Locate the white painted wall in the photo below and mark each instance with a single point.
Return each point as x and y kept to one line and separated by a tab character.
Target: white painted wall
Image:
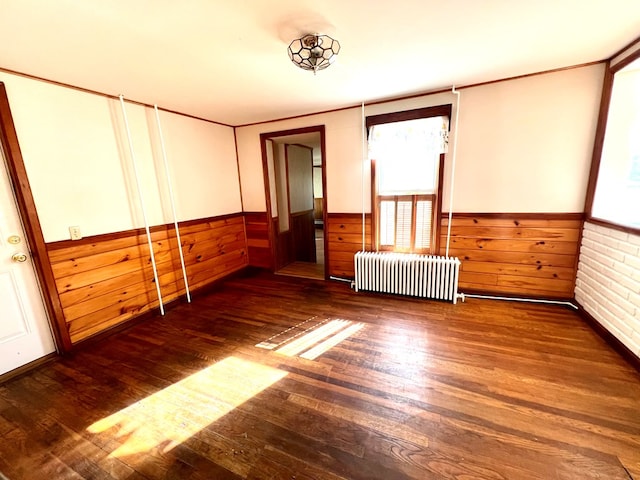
343	162
144	161
608	282
71	155
524	146
203	167
77	158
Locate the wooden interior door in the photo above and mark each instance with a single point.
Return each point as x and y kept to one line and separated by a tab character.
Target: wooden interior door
25	334
280	204
300	182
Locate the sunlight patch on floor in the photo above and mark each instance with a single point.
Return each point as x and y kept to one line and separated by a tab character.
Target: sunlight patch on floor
332	341
170	416
290	333
315	340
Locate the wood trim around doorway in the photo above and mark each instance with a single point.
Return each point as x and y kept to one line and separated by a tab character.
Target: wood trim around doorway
27	209
320	129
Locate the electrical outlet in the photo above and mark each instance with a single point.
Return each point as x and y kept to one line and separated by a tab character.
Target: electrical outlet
75	234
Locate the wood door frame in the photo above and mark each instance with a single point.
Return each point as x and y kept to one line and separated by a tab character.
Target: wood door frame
320	129
31	223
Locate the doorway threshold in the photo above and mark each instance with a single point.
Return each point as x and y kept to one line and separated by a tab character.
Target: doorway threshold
314	271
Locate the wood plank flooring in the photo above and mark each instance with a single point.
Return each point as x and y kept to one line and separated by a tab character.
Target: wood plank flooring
270	377
308	269
303	270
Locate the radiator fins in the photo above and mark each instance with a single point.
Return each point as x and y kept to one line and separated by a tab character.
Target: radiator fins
426	276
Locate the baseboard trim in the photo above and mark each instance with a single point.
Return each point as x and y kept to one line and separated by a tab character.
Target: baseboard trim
523	296
5	377
610	338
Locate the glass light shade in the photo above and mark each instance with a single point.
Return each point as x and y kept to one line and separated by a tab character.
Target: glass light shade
314	52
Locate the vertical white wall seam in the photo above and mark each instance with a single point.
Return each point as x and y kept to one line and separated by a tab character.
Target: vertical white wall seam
142	204
364	161
453	166
172	202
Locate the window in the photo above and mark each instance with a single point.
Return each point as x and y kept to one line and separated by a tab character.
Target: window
407	152
405	222
616	198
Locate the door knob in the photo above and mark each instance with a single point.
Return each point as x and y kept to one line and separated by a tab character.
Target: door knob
19	257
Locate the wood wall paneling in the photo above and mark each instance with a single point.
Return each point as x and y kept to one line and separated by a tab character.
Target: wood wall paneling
108	279
105	281
532	255
344	239
257	229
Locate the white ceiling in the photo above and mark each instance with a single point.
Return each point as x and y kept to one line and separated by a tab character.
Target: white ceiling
226	60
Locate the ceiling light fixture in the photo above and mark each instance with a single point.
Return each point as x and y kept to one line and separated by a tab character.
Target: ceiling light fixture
314	52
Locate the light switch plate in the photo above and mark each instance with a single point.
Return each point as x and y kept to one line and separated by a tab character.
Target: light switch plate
75	234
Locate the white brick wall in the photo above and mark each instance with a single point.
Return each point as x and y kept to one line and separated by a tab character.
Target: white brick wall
608	282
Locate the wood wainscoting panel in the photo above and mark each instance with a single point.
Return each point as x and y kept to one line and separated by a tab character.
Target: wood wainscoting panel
344	232
533	255
257	227
107	279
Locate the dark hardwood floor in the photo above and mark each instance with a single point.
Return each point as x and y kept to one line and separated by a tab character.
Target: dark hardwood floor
271	377
303	270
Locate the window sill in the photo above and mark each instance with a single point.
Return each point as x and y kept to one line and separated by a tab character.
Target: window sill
614	226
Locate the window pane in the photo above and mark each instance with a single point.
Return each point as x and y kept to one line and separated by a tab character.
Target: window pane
424	216
617	194
407	155
403	224
387	222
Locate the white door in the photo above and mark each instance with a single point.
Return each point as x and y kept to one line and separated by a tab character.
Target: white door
25	334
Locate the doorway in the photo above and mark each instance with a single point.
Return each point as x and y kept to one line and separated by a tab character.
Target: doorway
295	183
